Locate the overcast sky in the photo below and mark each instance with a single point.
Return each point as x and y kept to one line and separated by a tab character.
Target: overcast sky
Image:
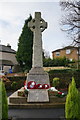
14	14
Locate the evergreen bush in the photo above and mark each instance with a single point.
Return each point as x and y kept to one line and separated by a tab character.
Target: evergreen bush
0	100
55	82
3	102
14	85
72	109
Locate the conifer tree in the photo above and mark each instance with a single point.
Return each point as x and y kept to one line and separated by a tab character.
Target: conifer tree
3	102
24	52
72	110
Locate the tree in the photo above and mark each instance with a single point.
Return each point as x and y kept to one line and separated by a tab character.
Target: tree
71	21
72	110
24	52
3	102
56	82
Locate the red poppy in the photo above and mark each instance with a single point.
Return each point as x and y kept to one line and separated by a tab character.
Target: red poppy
45	86
31	85
60	93
39	86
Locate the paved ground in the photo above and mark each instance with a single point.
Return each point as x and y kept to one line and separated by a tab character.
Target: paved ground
23	114
36	113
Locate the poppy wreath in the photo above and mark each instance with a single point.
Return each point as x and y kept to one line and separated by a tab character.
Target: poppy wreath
31	85
39	86
60	94
45	86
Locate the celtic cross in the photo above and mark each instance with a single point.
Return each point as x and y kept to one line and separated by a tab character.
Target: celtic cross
37	25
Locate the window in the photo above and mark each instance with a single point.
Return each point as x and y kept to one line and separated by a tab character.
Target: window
68	51
57	53
71	59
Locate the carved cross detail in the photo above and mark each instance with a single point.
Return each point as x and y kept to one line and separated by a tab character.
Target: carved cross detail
37	25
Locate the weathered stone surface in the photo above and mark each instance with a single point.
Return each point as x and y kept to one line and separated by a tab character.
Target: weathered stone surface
18	100
37	74
37	25
38	95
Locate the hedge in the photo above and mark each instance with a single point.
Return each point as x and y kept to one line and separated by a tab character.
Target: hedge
18	80
65	76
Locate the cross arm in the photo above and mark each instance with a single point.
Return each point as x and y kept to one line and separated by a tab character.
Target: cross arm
43	25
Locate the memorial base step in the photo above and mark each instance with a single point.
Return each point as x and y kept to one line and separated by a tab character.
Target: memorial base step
18	97
18	100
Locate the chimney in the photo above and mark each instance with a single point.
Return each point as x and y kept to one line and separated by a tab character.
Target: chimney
8	45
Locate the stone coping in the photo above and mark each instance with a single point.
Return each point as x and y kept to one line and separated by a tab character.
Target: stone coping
37	105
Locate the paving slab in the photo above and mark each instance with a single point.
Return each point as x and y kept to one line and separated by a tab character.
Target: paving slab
23	114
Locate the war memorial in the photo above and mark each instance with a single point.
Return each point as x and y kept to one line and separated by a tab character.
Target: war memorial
37	81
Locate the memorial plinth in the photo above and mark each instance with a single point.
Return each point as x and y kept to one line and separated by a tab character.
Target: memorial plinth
38	95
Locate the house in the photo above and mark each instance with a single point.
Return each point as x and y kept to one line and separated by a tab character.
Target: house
69	52
7	58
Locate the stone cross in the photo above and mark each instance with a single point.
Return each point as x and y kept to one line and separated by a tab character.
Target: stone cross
37	25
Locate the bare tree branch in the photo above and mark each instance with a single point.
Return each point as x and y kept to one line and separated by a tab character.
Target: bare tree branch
71	21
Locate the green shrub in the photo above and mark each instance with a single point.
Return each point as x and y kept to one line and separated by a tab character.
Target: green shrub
72	109
48	62
17	78
60	71
19	81
3	102
55	82
14	85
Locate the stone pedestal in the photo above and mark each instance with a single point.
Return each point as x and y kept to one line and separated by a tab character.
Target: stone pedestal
38	95
38	75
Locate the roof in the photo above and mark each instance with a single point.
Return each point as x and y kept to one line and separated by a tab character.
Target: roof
6	62
7	49
67	47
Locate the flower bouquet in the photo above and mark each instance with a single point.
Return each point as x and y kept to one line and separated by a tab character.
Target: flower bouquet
53	91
